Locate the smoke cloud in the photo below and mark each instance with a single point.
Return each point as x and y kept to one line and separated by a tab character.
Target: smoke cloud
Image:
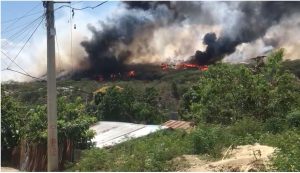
148	33
198	32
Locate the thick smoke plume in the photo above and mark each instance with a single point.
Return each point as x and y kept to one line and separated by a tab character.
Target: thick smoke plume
198	32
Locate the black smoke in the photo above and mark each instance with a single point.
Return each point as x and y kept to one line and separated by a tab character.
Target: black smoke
255	18
103	56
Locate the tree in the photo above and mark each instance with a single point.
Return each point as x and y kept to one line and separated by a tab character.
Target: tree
226	93
12	116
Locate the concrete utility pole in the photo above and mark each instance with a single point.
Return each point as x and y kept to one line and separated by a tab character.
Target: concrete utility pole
52	146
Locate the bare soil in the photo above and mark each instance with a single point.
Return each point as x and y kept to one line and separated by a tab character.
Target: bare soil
8	169
246	158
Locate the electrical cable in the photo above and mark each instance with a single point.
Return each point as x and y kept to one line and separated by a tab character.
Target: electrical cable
9	26
91	7
21	17
21	32
27	41
13	62
8	69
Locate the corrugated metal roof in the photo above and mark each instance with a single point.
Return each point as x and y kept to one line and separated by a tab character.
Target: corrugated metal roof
110	133
175	124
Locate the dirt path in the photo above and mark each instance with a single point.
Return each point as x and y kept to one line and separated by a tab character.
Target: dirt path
242	158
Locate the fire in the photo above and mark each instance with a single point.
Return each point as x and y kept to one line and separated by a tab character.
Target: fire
184	66
131	74
164	66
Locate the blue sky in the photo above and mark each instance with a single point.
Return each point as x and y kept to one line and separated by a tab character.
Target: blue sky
11	10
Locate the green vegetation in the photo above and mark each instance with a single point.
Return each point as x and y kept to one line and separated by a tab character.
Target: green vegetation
129	105
227	93
151	153
230	104
12	115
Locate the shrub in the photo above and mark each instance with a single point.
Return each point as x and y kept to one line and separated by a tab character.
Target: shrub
129	105
72	124
275	125
93	160
12	119
293	118
227	93
287	155
150	153
210	140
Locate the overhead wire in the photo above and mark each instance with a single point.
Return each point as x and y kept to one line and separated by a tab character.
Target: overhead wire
38	12
18	19
19	27
14	63
83	8
13	60
28	75
23	73
23	30
27	41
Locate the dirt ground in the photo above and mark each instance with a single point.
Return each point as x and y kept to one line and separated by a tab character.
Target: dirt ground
244	158
8	169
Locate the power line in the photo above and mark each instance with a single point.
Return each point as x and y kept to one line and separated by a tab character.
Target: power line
14	63
17	27
27	41
24	29
28	75
18	19
23	32
91	7
22	17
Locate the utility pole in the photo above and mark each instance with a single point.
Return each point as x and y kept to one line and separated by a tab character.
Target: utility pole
52	145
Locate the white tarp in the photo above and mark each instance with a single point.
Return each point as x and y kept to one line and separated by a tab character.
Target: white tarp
109	133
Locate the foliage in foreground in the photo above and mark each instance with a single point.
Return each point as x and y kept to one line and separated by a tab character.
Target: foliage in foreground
73	123
12	116
151	153
287	155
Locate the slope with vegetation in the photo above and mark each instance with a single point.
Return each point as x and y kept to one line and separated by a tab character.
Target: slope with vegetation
230	104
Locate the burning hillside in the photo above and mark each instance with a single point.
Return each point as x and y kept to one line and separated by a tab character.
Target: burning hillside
189	34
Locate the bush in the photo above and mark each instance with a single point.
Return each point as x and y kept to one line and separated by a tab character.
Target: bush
72	124
227	93
210	140
293	118
12	119
246	127
275	125
287	155
129	105
150	153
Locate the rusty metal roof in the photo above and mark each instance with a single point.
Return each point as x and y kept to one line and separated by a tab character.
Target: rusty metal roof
175	124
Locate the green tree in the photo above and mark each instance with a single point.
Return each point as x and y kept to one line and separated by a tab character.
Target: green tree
226	93
72	124
12	119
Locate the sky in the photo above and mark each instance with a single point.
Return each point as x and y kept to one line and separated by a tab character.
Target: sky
15	32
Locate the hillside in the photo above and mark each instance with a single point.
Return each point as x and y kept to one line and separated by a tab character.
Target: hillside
230	105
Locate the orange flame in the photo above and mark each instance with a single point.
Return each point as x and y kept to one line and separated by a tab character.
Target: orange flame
131	73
